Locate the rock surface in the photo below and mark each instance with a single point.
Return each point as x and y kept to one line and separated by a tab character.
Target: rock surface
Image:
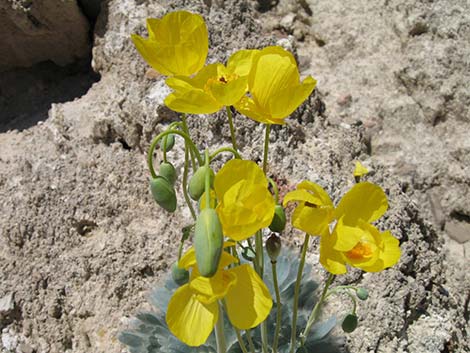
36	31
81	240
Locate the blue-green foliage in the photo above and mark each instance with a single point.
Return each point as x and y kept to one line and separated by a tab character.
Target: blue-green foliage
149	333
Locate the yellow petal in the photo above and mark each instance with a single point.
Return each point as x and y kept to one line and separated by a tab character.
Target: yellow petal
250	109
248	301
344	237
302	196
318	191
235	170
216	287
188	259
313	220
364	201
391	252
271	74
178	43
360	170
332	260
193	102
241	61
245	209
231	92
284	102
190	320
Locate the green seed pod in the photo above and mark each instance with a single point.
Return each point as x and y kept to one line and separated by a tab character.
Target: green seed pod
362	293
279	220
168	172
197	183
180	275
169	140
349	323
163	193
208	242
273	247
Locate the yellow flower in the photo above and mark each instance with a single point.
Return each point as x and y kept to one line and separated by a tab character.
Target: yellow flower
354	241
193	309
177	44
275	87
245	204
314	210
360	170
215	86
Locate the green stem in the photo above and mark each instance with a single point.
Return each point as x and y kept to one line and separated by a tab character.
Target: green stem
154	144
316	310
232	129
259	267
219	332
275	189
240	340
297	291
266	146
225	149
250	341
278	306
185	181
207	180
184	126
171	126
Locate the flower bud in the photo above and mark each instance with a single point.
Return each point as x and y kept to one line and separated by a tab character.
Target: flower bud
273	247
208	242
167	142
163	193
279	220
349	323
168	171
197	182
179	275
362	293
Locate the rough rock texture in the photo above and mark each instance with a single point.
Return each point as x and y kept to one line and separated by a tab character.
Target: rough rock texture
36	31
81	241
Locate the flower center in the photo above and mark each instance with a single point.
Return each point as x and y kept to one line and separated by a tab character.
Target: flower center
362	250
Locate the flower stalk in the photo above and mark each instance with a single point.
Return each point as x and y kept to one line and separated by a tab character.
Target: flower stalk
296	293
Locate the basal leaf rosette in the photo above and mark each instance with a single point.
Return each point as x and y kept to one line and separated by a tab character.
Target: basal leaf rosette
215	86
274	86
245	204
177	44
193	309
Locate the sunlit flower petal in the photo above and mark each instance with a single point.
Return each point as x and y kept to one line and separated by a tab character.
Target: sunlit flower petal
364	201
360	170
177	43
210	289
189	319
248	301
275	87
245	204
